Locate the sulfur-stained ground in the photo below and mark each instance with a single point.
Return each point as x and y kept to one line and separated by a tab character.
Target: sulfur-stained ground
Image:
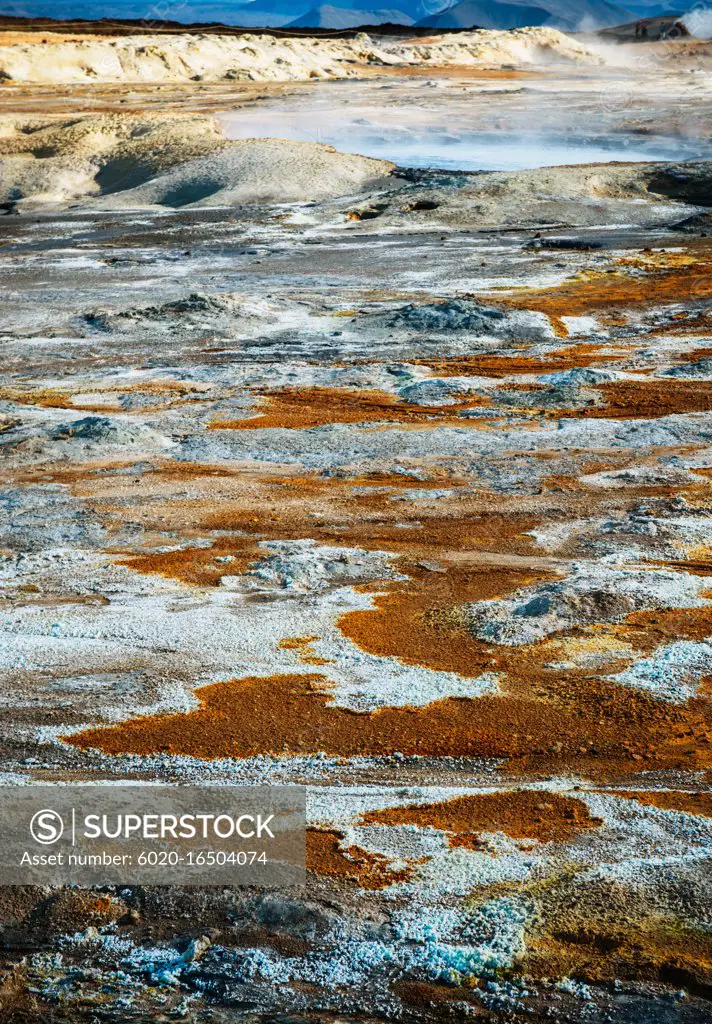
404	496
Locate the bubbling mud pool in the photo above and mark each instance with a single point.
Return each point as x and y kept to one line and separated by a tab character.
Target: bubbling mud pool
475	126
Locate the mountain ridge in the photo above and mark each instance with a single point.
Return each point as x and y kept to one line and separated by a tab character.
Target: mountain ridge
328	16
568	15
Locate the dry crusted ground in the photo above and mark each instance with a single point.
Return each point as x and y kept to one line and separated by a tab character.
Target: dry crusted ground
404	496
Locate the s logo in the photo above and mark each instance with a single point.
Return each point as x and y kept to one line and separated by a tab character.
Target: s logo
46	827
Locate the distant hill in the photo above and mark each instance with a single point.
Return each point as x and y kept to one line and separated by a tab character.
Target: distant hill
499	14
251	14
187	11
336	15
564	14
487	14
328	16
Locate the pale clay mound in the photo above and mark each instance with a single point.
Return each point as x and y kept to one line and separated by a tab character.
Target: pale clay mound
114	160
258	58
175	161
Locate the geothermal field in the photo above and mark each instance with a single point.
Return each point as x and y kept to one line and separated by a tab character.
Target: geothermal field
356	429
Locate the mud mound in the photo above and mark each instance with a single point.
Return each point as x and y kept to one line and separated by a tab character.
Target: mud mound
192	312
700	368
452	315
689	183
303	565
584	598
467	315
105	431
59	159
259	171
173	161
580	376
259	58
585	195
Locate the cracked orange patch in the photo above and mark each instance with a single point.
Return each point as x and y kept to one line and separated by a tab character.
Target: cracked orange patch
89	476
326	856
302	645
669	800
46	398
53	398
522	814
301	408
199	566
646	399
495	365
575	724
417	620
593	291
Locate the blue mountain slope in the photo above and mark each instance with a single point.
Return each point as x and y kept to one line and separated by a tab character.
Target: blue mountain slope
487	14
502	14
328	16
